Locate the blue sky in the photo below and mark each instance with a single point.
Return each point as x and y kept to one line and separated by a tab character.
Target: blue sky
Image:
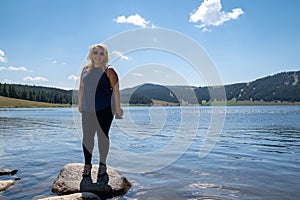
45	42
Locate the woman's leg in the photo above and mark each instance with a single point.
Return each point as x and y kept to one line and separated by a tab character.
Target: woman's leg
89	124
105	118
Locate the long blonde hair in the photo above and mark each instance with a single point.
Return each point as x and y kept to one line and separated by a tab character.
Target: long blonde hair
90	56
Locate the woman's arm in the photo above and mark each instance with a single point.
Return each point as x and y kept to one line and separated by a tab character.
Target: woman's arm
80	93
114	83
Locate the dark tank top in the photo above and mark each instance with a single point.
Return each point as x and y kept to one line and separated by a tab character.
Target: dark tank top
97	90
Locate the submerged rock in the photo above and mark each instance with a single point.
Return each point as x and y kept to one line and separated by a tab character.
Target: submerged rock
8	171
6	184
70	181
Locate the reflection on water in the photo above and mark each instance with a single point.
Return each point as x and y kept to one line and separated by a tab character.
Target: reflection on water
256	157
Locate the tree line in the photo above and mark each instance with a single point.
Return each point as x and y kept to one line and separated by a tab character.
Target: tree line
36	93
283	86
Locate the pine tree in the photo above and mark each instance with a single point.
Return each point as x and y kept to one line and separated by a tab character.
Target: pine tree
4	90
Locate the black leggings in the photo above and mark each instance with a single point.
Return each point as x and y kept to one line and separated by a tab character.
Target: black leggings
99	122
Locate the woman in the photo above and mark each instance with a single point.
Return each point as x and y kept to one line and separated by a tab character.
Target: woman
98	101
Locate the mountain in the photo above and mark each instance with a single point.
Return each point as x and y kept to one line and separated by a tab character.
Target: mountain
172	94
283	86
148	92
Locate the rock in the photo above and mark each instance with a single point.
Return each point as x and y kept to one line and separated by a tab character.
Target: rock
6	184
70	181
76	196
8	171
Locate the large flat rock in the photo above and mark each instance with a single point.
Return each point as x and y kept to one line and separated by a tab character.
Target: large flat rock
76	196
70	181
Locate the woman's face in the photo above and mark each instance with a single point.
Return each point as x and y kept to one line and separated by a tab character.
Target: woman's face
98	56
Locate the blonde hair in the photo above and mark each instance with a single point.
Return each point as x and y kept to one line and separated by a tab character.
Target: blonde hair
90	56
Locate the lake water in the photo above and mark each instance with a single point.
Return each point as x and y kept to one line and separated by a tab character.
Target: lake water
165	152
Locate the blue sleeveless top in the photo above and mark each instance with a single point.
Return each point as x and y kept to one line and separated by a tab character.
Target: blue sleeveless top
97	92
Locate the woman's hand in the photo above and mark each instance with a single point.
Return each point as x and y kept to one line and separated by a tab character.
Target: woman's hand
119	113
80	108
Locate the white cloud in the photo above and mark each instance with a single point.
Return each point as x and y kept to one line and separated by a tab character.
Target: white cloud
132	19
2	56
206	29
54	61
120	54
73	77
12	68
138	74
210	13
153	26
7	81
35	79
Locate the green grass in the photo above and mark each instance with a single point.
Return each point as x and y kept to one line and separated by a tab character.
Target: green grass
6	102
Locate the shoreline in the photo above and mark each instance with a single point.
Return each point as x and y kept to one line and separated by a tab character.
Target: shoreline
6	102
220	103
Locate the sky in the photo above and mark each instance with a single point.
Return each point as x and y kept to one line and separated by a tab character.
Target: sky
45	42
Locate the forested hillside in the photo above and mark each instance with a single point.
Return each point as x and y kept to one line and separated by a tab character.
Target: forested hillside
144	94
284	86
36	93
280	87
